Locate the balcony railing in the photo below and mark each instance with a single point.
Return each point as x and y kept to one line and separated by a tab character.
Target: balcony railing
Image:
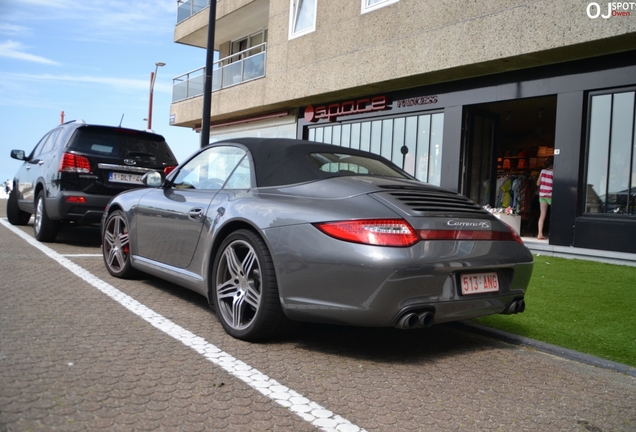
190	7
238	68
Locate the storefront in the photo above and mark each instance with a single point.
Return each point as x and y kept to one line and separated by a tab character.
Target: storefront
489	137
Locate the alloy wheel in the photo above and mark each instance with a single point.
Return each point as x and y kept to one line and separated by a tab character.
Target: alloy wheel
238	285
116	244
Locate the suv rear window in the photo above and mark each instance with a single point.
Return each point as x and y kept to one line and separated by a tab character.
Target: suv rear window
121	143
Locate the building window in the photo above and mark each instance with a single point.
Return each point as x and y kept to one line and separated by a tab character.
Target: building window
420	135
302	17
371	5
611	155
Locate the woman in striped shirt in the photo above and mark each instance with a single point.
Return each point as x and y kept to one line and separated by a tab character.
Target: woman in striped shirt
545	193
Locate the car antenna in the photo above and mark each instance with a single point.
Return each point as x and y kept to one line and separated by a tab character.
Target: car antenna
122	119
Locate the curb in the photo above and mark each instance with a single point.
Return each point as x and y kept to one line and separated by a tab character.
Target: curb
546	347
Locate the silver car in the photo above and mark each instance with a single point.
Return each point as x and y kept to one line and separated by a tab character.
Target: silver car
273	230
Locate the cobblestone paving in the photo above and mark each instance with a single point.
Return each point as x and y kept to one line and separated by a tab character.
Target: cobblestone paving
73	359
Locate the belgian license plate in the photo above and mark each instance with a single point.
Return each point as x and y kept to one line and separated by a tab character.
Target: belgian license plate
116	177
476	283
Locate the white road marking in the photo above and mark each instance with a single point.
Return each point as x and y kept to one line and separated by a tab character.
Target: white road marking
309	411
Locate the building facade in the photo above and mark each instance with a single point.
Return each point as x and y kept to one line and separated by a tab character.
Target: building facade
472	96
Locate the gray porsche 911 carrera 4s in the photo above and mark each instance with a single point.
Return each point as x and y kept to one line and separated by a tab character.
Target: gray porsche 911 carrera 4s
272	230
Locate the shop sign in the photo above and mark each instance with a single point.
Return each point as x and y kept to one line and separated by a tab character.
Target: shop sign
338	109
422	100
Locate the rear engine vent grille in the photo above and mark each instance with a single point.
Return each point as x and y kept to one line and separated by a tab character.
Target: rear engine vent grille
432	203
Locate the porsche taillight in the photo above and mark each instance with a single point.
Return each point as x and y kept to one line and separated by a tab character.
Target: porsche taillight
379	232
75	163
399	233
470	235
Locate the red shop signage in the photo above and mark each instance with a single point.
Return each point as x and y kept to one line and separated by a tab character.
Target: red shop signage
334	110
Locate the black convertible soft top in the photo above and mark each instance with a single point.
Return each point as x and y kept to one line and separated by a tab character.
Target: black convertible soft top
284	161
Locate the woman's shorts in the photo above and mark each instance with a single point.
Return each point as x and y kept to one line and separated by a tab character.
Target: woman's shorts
546	200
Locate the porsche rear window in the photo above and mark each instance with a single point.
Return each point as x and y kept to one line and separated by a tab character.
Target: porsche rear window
347	164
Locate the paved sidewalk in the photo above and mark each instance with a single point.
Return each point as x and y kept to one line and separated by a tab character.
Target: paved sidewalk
73	359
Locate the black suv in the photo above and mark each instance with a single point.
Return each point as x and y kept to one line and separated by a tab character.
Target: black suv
74	171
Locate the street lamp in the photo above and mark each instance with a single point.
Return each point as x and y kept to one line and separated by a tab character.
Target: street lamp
153	75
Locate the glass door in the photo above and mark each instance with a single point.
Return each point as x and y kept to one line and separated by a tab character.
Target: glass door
479	179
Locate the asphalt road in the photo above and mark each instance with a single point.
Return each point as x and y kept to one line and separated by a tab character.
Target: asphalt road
80	350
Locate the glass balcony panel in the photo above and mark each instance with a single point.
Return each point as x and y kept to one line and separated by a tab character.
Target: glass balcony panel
232	73
227	72
254	67
189	8
216	79
179	90
195	87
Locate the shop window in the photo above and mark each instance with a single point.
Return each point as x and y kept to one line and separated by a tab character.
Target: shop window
371	5
611	154
413	143
302	17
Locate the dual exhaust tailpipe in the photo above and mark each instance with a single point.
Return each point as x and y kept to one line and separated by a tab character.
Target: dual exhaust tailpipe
515	306
414	320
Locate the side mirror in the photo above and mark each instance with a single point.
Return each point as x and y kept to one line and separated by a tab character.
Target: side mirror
153	179
18	154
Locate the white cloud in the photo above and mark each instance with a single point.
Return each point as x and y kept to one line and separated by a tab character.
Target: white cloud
13	29
118	83
17	50
96	20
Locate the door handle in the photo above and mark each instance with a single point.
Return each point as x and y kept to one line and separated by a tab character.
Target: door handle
195	214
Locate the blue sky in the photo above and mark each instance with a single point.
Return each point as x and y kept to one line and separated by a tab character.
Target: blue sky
92	60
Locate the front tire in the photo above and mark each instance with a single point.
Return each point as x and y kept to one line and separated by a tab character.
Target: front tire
245	290
116	246
45	229
14	214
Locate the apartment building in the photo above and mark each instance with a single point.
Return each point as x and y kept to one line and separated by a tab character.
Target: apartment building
473	96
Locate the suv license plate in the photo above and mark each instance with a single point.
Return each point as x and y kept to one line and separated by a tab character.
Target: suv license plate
116	177
476	283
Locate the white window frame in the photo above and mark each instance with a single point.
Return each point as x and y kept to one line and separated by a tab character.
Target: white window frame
293	16
366	8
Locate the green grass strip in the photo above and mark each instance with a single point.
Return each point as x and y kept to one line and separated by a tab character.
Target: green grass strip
586	306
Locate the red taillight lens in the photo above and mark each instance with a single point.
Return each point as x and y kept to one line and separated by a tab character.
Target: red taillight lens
399	233
167	170
76	199
379	232
469	235
74	163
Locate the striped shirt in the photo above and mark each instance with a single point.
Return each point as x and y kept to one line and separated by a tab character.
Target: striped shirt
545	187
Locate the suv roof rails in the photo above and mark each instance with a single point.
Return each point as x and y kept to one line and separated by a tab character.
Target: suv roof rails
75	121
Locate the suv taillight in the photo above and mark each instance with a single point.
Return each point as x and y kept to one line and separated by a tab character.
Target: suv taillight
74	163
167	170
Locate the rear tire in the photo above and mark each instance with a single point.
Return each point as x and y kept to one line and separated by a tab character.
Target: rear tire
116	246
245	290
45	229
14	214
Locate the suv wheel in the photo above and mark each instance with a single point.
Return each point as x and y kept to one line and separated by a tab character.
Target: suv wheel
14	214
45	229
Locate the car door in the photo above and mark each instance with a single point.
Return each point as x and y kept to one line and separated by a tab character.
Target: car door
169	221
33	168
